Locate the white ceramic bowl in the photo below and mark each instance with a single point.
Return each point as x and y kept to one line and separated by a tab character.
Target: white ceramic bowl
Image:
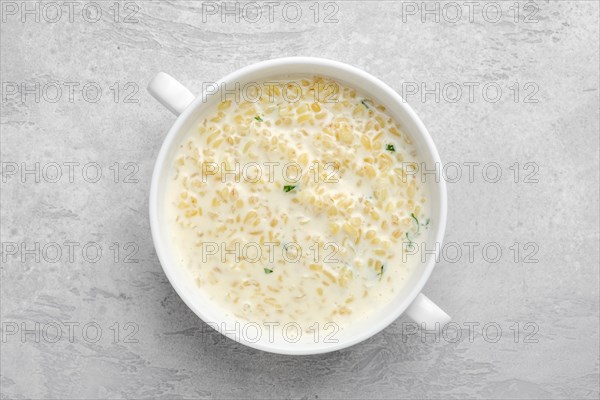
189	109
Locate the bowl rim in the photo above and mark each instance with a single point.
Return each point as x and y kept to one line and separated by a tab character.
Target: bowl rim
160	165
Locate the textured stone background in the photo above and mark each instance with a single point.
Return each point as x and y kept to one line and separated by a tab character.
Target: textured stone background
170	353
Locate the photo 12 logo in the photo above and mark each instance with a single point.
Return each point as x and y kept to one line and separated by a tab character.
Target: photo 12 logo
69	172
453	12
472	252
55	91
69	331
272	92
269	171
69	252
455	332
253	12
471	172
54	12
268	252
470	92
272	332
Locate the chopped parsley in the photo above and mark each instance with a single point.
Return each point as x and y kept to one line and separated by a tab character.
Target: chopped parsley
414	234
410	246
425	225
417	222
268	271
364	103
289	188
390	147
380	273
258	118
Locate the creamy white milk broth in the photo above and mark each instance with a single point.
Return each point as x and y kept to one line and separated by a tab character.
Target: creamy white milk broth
324	248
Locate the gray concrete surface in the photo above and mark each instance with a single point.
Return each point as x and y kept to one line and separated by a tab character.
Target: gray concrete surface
124	332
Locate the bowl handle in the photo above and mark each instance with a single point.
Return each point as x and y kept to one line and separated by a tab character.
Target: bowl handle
425	311
170	93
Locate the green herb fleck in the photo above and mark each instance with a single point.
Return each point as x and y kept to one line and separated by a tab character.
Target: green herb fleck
390	147
416	221
380	273
289	188
268	271
408	235
364	103
410	246
258	118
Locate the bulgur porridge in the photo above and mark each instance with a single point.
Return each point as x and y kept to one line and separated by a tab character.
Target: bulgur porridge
292	203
